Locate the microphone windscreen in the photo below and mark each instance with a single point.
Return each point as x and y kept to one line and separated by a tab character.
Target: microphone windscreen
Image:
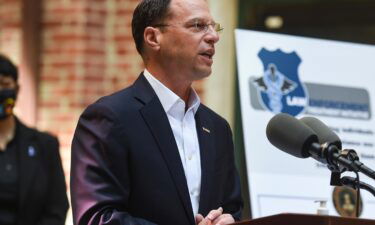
325	134
290	135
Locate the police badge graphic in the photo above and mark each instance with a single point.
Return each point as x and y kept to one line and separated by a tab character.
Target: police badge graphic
279	89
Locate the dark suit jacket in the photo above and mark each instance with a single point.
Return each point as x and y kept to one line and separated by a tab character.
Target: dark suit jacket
42	190
126	168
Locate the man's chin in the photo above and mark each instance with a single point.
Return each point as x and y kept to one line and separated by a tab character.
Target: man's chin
203	73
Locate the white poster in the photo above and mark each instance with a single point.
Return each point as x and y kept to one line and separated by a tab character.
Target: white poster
332	81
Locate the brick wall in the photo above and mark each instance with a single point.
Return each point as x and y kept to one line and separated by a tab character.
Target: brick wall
10	28
87	52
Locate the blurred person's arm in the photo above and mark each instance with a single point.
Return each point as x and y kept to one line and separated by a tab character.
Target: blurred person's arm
54	212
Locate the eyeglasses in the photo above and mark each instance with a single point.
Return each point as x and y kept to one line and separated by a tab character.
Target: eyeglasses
198	26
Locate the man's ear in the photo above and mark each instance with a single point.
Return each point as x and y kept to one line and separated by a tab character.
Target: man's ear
152	38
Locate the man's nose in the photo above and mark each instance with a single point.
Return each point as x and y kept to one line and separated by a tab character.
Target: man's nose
212	36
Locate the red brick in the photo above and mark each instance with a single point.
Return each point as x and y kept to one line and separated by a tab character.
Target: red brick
49	104
123	38
71	37
122	12
62	65
50	78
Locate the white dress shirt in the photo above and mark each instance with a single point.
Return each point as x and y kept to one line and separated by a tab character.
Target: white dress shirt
185	133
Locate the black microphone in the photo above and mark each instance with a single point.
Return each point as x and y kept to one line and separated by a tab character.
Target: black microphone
290	135
325	134
330	142
296	138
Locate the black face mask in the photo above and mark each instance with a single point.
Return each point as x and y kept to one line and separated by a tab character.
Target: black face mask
7	101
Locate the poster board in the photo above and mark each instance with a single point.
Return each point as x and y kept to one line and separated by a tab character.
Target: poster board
330	80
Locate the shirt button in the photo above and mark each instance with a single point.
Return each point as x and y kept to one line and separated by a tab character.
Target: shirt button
194	192
190	157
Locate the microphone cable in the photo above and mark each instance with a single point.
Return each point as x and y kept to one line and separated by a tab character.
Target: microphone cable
358	193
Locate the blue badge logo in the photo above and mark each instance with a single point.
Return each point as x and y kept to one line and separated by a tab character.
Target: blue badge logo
31	151
279	88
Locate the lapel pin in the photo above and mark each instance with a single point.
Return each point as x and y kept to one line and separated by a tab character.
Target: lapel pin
31	151
207	130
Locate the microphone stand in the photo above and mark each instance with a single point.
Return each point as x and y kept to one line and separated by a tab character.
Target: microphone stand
352	183
336	180
340	161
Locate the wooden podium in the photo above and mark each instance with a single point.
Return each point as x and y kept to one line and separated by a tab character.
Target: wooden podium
305	219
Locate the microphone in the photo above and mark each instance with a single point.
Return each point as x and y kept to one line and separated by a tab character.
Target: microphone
327	138
325	134
298	139
290	135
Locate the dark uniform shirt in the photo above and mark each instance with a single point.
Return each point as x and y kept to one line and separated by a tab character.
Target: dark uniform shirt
8	184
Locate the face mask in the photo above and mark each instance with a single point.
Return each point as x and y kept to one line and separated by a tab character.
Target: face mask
7	101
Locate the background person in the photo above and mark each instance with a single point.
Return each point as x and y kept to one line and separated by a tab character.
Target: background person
32	183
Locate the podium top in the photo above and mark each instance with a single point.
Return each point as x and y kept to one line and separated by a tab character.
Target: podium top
305	219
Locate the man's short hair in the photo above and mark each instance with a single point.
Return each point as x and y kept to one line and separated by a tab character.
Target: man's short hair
147	13
7	68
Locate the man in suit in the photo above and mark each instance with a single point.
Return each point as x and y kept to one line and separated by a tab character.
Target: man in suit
152	153
32	183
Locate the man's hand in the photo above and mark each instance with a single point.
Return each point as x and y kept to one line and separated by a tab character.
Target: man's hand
200	220
223	219
215	217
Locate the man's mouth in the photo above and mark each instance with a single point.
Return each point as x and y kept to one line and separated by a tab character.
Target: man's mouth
209	53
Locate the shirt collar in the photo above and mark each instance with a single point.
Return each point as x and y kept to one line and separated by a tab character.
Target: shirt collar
169	100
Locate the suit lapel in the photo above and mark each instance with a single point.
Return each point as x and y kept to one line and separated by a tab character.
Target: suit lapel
28	161
207	151
157	121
